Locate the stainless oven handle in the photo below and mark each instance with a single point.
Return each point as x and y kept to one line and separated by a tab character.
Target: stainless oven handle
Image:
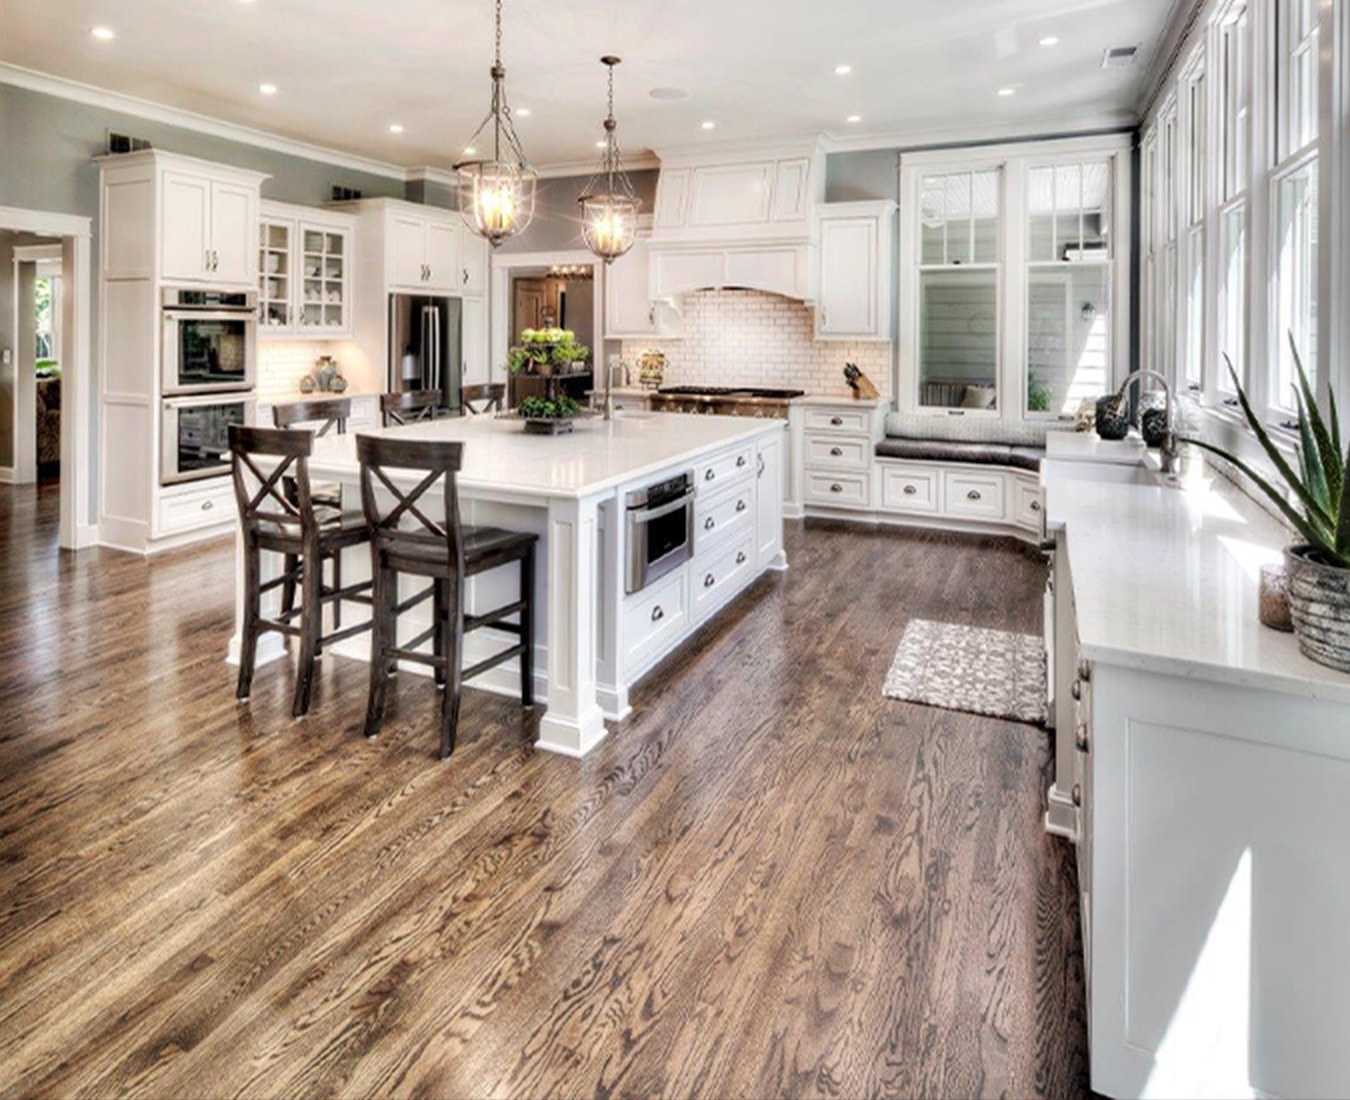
664	510
211	314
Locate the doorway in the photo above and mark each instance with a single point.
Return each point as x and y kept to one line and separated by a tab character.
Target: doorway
548	296
46	278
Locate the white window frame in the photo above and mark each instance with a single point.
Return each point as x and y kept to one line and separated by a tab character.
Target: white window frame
1014	161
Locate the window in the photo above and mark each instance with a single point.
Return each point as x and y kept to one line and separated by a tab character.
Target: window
958	290
1235	103
1295	280
1068	286
1194	171
1232	296
1296	36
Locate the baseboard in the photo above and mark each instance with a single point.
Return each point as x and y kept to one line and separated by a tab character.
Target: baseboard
86	535
874	518
6	475
1061	815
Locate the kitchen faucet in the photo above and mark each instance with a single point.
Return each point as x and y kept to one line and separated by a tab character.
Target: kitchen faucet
616	363
1169	450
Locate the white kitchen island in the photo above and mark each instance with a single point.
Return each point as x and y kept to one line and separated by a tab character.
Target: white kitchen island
593	640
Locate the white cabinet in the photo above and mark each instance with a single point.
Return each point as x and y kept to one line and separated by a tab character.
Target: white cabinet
306	262
855	271
836	441
474	342
208	228
770	472
630	311
474	261
406	263
442	251
422	250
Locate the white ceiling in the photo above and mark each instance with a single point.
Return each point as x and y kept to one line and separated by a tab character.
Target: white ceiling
347	69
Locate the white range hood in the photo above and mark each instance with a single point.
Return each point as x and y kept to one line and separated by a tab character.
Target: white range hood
742	219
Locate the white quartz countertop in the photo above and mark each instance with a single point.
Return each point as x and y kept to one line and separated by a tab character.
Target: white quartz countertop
1089	447
1166	580
596	456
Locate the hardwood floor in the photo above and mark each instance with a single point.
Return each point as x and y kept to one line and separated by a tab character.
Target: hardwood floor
770	881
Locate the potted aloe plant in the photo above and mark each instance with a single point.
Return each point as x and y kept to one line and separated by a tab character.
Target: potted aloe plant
1319	567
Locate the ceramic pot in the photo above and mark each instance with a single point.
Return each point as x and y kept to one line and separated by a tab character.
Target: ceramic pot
1319	604
1112	422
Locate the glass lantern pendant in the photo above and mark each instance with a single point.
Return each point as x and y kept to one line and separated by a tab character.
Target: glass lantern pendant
496	195
609	208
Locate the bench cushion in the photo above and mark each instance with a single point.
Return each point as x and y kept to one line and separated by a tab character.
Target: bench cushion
943	450
966	429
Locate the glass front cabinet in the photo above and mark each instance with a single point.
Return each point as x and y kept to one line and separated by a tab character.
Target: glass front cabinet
304	272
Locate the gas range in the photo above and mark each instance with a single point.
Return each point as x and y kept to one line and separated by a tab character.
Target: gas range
725	400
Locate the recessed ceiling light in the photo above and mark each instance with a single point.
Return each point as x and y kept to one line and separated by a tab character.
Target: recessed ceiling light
396	127
267	89
709	124
523	112
854	118
103	34
1005	92
842	70
1049	40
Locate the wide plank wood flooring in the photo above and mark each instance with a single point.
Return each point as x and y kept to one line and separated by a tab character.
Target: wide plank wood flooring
770	881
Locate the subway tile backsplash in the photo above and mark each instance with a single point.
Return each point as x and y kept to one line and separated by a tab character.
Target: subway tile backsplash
751	338
282	363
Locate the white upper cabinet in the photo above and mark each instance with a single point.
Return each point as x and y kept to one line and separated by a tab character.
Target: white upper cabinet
443	270
305	278
854	288
406	250
630	311
208	226
422	253
474	254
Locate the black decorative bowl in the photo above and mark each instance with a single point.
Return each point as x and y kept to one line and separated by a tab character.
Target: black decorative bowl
1113	418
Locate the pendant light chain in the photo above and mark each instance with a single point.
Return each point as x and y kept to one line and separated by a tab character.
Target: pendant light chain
609	205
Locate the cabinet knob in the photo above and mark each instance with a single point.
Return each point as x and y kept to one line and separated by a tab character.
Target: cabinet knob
974	494
835	452
709	524
740	558
709	581
1077	690
709	475
1035	505
207	505
1077	795
1080	737
910	490
740	506
657	614
836	421
836	488
740	462
466	276
1085	671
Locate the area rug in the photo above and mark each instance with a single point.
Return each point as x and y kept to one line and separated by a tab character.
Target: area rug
969	668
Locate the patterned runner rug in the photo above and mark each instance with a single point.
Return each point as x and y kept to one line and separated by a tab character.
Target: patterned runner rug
970	668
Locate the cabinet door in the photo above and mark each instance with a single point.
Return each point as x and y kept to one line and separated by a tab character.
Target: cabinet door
443	270
185	227
769	501
848	277
473	263
234	233
628	309
276	276
406	251
474	342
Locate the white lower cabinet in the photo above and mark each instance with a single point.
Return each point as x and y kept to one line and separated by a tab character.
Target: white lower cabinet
655	618
837	490
204	504
1028	503
974	495
910	489
728	513
718	575
770	474
715	473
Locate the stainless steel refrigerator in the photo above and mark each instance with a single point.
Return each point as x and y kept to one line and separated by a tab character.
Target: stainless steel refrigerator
424	346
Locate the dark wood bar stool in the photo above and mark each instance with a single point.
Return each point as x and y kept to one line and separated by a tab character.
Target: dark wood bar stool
404	540
410	407
331	414
492	396
306	534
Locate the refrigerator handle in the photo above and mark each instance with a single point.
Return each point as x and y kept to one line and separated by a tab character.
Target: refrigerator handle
435	319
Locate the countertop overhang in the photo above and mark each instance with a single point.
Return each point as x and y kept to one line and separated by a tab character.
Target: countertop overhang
596	457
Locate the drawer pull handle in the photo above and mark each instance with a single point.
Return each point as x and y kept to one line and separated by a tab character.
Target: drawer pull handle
740	461
207	505
836	421
974	494
836	488
709	524
709	475
740	506
1077	795
1076	690
709	581
910	490
835	452
657	614
740	558
1035	505
1081	738
1085	671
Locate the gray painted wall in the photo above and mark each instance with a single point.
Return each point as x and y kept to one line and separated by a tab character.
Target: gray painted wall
858	177
557	219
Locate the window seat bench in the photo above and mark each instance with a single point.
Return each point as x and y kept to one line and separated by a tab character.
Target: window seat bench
946	450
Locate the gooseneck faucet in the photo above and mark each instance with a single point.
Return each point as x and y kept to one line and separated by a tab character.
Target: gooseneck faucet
614	364
1169	450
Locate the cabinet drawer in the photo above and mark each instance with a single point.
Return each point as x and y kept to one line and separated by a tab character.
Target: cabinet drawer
839	420
720	517
206	506
718	576
1027	504
725	468
909	489
655	618
973	495
837	452
837	490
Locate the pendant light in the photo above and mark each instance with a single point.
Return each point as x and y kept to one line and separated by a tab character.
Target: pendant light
609	208
496	194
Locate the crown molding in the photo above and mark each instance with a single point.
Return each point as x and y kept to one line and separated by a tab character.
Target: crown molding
1044	128
1173	42
72	90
